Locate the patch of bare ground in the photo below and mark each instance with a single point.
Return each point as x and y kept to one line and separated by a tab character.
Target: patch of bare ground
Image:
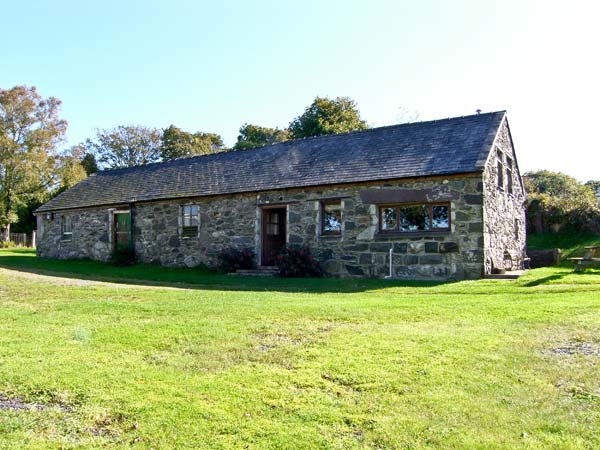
17	404
575	348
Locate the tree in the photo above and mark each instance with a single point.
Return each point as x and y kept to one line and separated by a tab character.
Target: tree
30	129
594	185
126	146
69	169
255	136
177	143
325	116
560	200
89	163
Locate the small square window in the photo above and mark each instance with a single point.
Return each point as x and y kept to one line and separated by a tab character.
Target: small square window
190	220
66	228
332	217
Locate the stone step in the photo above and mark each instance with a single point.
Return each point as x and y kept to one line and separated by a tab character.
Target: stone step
508	275
262	271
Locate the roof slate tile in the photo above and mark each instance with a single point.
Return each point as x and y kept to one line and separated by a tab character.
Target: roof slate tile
440	147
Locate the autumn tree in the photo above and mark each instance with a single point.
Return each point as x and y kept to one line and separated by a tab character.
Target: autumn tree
30	129
326	116
177	143
126	146
256	136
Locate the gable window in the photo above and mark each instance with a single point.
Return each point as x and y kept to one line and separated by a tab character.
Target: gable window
414	218
190	220
500	165
66	227
331	213
509	180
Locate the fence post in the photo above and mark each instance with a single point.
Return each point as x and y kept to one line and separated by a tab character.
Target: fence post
33	236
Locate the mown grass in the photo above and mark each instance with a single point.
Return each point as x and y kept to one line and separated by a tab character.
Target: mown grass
230	362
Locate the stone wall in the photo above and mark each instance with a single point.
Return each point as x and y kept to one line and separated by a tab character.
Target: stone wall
90	237
504	212
234	220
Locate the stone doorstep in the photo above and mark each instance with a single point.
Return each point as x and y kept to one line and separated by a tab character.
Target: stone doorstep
262	271
508	275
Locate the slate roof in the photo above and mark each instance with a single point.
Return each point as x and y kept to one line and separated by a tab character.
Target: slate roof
439	147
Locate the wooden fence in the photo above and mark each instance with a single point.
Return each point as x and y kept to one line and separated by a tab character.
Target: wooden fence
23	239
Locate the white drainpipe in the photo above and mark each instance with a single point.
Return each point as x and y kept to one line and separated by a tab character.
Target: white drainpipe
387	277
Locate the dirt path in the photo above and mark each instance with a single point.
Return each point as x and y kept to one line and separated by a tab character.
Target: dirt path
65	281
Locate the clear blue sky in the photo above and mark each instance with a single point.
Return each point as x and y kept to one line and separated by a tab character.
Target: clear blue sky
212	66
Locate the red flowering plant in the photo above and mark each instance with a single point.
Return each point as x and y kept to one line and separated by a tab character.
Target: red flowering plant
231	259
298	262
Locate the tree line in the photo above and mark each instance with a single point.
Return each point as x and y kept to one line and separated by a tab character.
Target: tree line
33	169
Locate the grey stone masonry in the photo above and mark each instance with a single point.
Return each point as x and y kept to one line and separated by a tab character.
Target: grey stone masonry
359	250
504	207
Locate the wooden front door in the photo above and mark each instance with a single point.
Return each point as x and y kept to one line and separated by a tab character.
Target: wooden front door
122	236
273	234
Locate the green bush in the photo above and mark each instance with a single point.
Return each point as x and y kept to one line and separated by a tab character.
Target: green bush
231	259
122	257
558	202
298	262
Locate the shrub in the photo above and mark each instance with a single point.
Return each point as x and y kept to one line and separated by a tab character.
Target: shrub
556	201
7	244
298	262
122	257
231	259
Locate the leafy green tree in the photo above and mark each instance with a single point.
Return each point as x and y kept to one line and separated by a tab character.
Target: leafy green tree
256	136
326	116
594	185
89	163
560	200
30	129
126	146
177	143
69	169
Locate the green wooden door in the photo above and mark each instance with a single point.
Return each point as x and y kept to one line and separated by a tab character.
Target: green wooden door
123	231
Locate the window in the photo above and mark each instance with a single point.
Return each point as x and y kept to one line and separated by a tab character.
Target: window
191	220
66	228
414	218
509	180
499	158
331	212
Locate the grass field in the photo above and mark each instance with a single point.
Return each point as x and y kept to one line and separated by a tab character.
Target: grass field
228	362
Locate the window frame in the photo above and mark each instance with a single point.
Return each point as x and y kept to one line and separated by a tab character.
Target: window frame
509	175
324	204
500	166
66	232
397	206
189	231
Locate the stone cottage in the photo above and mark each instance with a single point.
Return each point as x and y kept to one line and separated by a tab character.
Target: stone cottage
445	196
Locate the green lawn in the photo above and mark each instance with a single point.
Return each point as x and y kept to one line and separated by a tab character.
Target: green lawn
570	244
230	362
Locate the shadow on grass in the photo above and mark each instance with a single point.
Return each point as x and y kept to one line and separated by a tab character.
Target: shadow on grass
544	280
24	260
